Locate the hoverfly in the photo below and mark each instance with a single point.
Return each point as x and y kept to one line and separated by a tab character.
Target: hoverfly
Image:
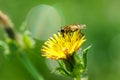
71	28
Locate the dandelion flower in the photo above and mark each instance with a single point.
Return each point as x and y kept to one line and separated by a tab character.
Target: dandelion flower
61	46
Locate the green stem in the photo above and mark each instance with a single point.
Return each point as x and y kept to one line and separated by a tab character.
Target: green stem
30	67
77	77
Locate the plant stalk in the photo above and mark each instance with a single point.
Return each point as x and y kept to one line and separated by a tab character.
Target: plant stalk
30	67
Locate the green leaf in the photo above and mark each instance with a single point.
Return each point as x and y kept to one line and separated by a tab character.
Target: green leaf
84	56
13	45
62	71
64	67
5	47
28	41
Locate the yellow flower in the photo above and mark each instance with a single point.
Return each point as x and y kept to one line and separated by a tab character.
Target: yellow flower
61	46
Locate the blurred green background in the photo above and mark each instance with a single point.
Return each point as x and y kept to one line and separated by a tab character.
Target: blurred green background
102	18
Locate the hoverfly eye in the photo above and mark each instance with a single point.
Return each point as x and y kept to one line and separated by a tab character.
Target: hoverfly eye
62	30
